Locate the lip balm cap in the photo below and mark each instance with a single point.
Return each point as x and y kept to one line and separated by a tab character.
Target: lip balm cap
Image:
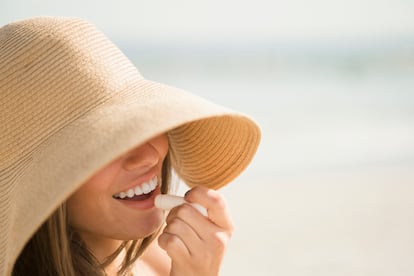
167	202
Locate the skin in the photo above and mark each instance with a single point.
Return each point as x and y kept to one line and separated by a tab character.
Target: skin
196	244
190	244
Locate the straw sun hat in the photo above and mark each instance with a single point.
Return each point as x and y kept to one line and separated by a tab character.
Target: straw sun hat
71	102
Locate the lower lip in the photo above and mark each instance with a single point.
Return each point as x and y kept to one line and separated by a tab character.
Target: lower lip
144	204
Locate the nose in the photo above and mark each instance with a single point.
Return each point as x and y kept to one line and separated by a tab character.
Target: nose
142	158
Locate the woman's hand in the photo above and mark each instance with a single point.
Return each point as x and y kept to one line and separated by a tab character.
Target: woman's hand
196	244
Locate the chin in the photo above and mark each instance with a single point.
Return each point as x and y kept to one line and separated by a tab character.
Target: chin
147	227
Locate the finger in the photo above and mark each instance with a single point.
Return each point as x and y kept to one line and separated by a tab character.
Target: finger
190	215
174	247
205	229
200	224
186	212
203	238
215	204
186	233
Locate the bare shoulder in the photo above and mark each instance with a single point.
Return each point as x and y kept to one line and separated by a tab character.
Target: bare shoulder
154	261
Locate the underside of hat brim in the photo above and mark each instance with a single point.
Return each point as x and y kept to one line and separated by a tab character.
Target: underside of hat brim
210	145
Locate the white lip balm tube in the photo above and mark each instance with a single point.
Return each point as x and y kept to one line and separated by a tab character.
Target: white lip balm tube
167	202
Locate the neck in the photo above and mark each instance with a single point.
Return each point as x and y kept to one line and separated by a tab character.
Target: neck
102	248
113	268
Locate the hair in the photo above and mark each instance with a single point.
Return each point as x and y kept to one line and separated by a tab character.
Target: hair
55	249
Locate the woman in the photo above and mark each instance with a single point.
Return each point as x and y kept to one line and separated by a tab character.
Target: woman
86	145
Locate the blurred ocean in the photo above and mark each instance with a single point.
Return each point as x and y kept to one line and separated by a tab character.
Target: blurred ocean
330	191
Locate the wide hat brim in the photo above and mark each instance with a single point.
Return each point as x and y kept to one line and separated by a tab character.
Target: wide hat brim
209	145
49	149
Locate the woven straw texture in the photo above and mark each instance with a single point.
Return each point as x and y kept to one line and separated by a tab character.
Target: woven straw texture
71	102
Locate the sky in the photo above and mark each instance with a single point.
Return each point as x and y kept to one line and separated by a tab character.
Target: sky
260	20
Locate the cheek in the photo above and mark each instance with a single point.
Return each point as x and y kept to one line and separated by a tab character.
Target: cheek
79	210
86	204
90	214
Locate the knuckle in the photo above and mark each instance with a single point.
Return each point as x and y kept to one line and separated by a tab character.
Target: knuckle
161	240
165	240
220	240
183	210
198	191
171	242
217	200
171	226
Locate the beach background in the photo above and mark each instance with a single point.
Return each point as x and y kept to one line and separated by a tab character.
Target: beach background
331	83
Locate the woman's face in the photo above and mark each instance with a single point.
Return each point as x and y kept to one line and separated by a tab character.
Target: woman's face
118	201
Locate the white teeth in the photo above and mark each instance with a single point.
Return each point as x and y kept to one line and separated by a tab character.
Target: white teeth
153	184
138	190
130	193
144	188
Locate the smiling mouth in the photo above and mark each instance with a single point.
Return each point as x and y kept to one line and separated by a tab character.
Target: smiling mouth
140	192
137	198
